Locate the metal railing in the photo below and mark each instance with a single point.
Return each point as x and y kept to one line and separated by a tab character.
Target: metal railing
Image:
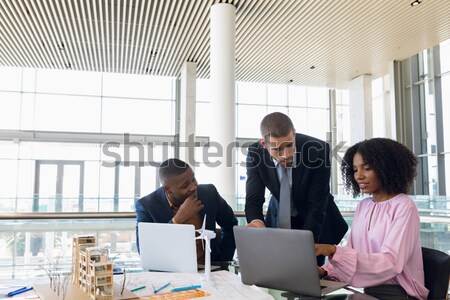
132	215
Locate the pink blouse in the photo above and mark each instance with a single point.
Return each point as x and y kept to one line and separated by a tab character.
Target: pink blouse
383	247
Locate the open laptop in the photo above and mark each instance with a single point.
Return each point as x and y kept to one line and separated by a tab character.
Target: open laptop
167	247
282	259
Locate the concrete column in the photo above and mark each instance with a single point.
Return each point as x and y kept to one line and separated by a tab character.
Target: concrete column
222	129
187	112
360	97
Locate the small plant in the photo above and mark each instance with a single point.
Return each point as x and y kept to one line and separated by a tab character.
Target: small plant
124	281
57	283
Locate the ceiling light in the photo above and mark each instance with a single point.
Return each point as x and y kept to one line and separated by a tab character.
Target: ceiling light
416	2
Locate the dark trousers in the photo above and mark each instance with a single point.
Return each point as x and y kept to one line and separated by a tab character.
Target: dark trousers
387	292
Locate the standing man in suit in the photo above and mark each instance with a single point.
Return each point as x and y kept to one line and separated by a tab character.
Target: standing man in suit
181	200
305	161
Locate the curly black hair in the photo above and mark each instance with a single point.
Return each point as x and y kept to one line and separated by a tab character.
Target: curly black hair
394	164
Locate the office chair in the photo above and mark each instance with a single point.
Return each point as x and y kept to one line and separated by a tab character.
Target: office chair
436	266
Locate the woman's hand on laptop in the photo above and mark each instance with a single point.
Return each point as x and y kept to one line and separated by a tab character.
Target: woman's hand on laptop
322	272
325	249
188	209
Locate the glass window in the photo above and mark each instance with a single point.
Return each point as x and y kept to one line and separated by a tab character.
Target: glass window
67	113
428	165
145	153
240	187
47	188
71	188
445	56
148	180
137	86
9	150
318	97
428	117
68	82
10	79
202	172
343	123
106	184
378	117
127	188
299	117
27	113
202	119
241	175
8	172
58	151
9	110
91	188
207	157
277	94
137	116
249	117
29	80
251	93
149	153
342	116
445	83
447	173
25	183
271	109
72	101
297	95
321	124
160	152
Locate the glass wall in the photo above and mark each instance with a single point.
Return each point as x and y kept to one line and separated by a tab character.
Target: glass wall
445	85
425	97
71	139
342	135
87	142
308	107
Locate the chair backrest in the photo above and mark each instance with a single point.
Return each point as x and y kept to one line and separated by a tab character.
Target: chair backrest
436	265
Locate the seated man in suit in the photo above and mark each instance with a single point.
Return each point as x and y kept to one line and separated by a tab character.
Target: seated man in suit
181	200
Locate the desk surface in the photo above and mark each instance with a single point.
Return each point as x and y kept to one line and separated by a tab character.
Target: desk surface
222	285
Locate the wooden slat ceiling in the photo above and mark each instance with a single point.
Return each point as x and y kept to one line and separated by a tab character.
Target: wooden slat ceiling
311	42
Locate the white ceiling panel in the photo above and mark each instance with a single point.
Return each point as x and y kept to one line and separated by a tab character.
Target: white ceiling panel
319	43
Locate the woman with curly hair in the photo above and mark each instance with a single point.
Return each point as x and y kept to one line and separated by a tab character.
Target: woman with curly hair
383	254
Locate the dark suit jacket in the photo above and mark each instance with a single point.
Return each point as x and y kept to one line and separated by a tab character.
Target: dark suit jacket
155	208
310	189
